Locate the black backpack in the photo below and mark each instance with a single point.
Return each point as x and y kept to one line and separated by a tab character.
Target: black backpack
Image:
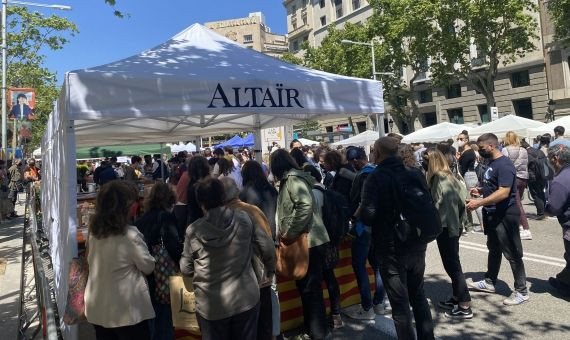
417	219
336	214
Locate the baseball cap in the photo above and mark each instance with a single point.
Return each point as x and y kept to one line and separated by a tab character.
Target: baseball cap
353	153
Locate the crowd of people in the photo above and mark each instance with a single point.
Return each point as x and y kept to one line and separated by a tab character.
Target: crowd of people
220	217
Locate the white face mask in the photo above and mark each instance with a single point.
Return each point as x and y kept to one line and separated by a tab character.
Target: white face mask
460	143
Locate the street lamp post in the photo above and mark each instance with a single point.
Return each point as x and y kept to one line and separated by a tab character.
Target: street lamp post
4	65
379	116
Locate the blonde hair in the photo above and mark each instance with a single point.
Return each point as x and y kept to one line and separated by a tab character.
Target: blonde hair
437	164
512	138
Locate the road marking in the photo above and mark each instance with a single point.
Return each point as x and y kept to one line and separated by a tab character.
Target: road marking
528	256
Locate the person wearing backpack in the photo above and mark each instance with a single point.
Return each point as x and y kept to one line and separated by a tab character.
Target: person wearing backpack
536	180
362	247
501	215
401	258
158	226
449	196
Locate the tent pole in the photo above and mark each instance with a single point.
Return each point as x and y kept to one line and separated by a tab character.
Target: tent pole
257	139
161	164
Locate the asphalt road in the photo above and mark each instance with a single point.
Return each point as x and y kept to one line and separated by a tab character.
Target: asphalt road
544	316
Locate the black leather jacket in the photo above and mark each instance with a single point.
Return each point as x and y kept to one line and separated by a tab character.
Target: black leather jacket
378	208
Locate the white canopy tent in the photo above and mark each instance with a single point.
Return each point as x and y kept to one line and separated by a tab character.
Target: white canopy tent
365	138
176	148
501	126
436	133
197	83
549	128
308	142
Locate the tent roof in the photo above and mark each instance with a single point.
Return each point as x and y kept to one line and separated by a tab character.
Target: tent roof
549	128
235	141
187	86
501	126
436	133
307	142
365	138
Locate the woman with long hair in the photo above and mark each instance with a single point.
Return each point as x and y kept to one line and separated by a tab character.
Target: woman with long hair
449	197
297	213
519	156
158	226
257	191
198	169
117	299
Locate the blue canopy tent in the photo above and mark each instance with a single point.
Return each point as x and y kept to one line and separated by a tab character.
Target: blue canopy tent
249	140
235	142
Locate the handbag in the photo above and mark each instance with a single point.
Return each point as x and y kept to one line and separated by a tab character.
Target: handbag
183	304
77	281
293	258
165	268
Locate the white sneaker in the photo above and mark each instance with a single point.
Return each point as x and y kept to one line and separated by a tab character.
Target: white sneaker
383	308
361	314
526	235
516	298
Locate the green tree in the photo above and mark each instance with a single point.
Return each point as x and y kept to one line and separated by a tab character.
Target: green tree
307	126
560	13
29	35
501	31
404	28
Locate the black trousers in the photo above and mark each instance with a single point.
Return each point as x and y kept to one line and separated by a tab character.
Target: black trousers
139	331
310	289
334	290
403	278
449	252
503	238
265	321
536	189
564	275
237	327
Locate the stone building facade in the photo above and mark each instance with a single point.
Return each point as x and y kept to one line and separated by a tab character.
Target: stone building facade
253	33
523	88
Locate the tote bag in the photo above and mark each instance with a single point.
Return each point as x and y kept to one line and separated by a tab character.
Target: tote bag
293	259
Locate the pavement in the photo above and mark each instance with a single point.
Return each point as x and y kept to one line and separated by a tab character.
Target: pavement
11	234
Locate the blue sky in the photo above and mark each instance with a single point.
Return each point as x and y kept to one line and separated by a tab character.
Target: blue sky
104	38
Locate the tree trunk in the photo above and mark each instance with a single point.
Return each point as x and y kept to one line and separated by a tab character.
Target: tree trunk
351	124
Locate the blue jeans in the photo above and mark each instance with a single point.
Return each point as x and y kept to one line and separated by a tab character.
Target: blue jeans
363	249
161	326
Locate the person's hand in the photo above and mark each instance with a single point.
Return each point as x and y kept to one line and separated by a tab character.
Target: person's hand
473	205
475	192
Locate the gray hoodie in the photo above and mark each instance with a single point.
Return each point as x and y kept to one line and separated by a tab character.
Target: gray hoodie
217	253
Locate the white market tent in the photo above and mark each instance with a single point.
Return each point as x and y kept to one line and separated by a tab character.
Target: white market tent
501	126
365	138
176	148
549	128
307	142
198	83
436	133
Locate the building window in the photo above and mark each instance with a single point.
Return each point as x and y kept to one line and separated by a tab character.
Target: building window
355	4
454	91
520	79
361	126
430	119
295	45
426	96
323	20
484	113
322	3
338	5
456	116
248	38
523	108
329	129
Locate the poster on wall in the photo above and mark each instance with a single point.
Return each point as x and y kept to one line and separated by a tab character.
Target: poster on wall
21	103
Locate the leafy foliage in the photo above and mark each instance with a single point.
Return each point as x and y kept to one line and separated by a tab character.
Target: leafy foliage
501	30
560	13
30	33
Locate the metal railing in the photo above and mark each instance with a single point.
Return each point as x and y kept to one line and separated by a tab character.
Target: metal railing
35	253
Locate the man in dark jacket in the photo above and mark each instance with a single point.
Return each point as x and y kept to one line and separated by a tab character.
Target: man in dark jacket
402	265
559	206
362	248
